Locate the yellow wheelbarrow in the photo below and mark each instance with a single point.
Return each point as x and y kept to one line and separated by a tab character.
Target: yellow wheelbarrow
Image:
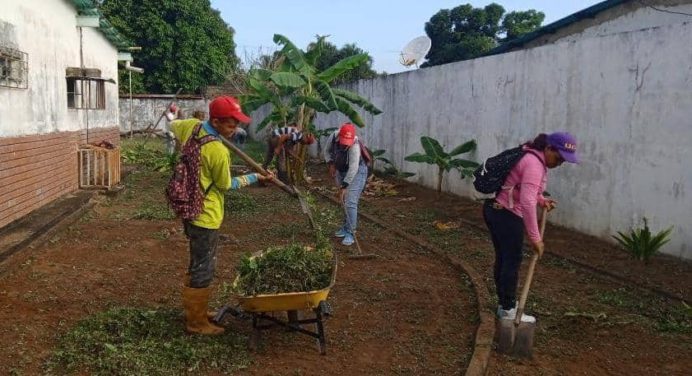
261	308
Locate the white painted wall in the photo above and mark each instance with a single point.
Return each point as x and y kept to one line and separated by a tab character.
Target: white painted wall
47	31
640	19
627	97
146	111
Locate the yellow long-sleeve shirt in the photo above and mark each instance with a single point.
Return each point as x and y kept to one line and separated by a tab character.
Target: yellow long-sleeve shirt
214	172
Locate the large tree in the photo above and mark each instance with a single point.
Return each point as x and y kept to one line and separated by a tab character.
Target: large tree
185	43
331	55
466	32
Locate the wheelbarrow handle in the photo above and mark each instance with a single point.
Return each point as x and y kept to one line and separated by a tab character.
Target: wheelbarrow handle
256	166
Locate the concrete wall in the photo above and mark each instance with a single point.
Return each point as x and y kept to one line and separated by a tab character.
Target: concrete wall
39	135
146	109
628	16
47	31
627	97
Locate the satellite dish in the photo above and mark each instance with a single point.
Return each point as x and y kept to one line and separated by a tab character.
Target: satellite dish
415	51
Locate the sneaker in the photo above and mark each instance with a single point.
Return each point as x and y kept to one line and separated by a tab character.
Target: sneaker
511	314
348	239
341	233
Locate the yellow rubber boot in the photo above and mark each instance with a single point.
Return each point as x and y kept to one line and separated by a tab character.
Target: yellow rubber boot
186	283
195	303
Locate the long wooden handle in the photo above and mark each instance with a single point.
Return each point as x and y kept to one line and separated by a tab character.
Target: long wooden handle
529	274
256	166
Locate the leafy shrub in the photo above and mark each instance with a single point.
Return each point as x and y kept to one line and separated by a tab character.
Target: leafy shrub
640	243
292	268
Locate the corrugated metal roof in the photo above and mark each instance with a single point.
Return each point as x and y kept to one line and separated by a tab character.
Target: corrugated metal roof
89	8
589	12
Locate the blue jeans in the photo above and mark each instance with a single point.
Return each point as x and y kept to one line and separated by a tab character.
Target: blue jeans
353	192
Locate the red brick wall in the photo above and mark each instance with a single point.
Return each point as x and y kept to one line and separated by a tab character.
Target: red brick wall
37	169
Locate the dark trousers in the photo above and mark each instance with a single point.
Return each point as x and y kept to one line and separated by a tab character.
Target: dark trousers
203	242
507	234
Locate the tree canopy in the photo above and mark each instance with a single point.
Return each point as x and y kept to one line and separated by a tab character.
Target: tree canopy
465	32
185	43
331	55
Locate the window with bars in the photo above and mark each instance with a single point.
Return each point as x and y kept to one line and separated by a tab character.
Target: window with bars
14	68
86	93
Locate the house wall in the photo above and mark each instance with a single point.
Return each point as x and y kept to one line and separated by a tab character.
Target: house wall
629	16
39	135
626	96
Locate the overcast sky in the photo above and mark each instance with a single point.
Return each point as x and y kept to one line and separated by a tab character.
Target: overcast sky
380	27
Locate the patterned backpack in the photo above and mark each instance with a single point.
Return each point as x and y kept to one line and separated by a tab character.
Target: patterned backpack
184	192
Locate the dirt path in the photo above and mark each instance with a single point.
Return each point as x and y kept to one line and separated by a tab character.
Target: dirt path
402	313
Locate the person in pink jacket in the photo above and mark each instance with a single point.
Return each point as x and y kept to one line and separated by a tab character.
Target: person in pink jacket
513	211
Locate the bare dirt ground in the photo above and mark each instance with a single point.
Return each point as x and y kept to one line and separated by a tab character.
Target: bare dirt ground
405	312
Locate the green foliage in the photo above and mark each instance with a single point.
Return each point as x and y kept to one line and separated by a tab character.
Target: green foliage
292	268
240	203
184	43
153	212
389	167
300	85
641	243
331	55
516	24
135	341
297	90
435	154
465	32
151	156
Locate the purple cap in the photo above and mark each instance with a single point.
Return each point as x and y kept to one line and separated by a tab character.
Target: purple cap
565	144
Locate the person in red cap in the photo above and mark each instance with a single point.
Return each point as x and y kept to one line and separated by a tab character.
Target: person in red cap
513	212
215	179
350	171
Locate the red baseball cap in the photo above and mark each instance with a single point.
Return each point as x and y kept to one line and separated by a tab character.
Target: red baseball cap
347	134
226	107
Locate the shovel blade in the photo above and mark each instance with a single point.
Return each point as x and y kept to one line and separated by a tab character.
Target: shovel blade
505	330
523	341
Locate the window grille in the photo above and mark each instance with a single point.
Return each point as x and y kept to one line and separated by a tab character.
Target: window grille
86	93
14	68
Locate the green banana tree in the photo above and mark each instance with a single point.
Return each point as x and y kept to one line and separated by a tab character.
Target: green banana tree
297	91
435	155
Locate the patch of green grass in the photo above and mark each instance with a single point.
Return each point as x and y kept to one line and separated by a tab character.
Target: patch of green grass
676	319
287	230
240	203
135	341
153	212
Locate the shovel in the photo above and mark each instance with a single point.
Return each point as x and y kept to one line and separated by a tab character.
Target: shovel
516	337
256	166
359	253
292	191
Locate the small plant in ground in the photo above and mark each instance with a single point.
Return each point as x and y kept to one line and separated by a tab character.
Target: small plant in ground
389	168
435	155
641	243
134	341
